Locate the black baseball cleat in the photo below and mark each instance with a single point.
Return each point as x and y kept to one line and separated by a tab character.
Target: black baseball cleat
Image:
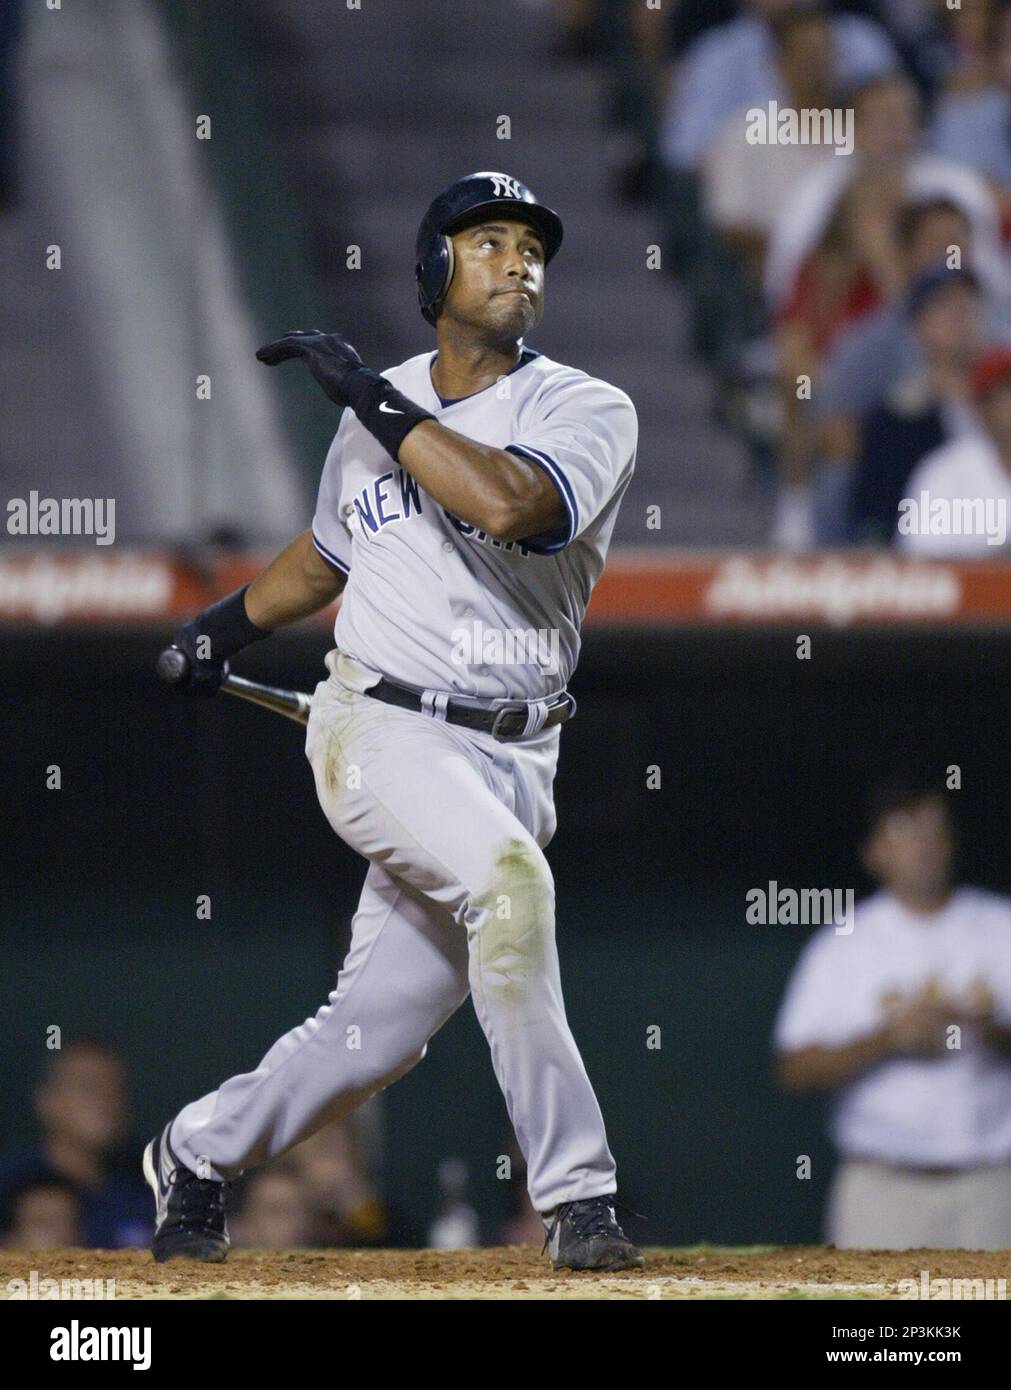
190	1220
586	1235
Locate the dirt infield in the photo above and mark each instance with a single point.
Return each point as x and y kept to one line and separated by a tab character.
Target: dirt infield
513	1273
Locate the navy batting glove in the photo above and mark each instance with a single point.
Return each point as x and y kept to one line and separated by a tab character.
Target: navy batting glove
205	673
331	359
209	639
384	411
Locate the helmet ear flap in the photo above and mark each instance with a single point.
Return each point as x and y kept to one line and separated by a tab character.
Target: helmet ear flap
435	272
449	272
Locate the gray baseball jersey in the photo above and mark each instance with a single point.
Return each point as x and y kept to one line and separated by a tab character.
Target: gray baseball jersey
435	603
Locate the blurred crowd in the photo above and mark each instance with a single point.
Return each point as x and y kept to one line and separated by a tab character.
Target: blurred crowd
855	307
79	1183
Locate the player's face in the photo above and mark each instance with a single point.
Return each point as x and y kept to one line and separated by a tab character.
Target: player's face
498	279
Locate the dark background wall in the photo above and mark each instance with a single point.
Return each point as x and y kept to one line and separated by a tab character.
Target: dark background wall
764	762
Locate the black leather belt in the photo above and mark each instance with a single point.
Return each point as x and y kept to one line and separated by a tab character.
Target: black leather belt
511	721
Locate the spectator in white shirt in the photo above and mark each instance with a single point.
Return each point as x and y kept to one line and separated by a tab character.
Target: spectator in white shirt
958	499
735	65
744	183
908	1020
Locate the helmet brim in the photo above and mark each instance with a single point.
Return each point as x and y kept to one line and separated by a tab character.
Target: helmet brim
546	223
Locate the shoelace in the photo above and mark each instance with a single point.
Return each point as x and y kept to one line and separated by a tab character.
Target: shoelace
591	1217
202	1201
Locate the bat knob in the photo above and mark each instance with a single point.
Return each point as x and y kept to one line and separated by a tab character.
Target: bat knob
172	666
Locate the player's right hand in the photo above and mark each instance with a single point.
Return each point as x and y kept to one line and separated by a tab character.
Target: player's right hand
205	672
209	639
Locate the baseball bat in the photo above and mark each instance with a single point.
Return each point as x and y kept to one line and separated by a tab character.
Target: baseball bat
173	665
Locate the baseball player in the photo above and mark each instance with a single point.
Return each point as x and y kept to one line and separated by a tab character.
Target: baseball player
464	512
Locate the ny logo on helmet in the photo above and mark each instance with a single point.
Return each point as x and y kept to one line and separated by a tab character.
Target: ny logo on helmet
505	187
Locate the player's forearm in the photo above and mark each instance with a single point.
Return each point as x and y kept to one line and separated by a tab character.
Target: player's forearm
828	1068
505	495
297	583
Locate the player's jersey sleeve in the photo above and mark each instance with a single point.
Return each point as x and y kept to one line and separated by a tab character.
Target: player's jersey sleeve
330	536
583	434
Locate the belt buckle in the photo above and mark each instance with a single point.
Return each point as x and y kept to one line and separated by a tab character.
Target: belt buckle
521	710
500	714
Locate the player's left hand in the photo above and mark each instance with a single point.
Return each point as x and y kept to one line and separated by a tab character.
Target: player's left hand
331	359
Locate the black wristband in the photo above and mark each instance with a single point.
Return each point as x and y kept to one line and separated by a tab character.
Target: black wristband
228	625
383	410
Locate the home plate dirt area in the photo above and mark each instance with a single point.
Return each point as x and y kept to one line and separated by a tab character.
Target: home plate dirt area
521	1272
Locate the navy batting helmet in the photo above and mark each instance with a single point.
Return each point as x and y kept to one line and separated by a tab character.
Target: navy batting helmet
466	201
